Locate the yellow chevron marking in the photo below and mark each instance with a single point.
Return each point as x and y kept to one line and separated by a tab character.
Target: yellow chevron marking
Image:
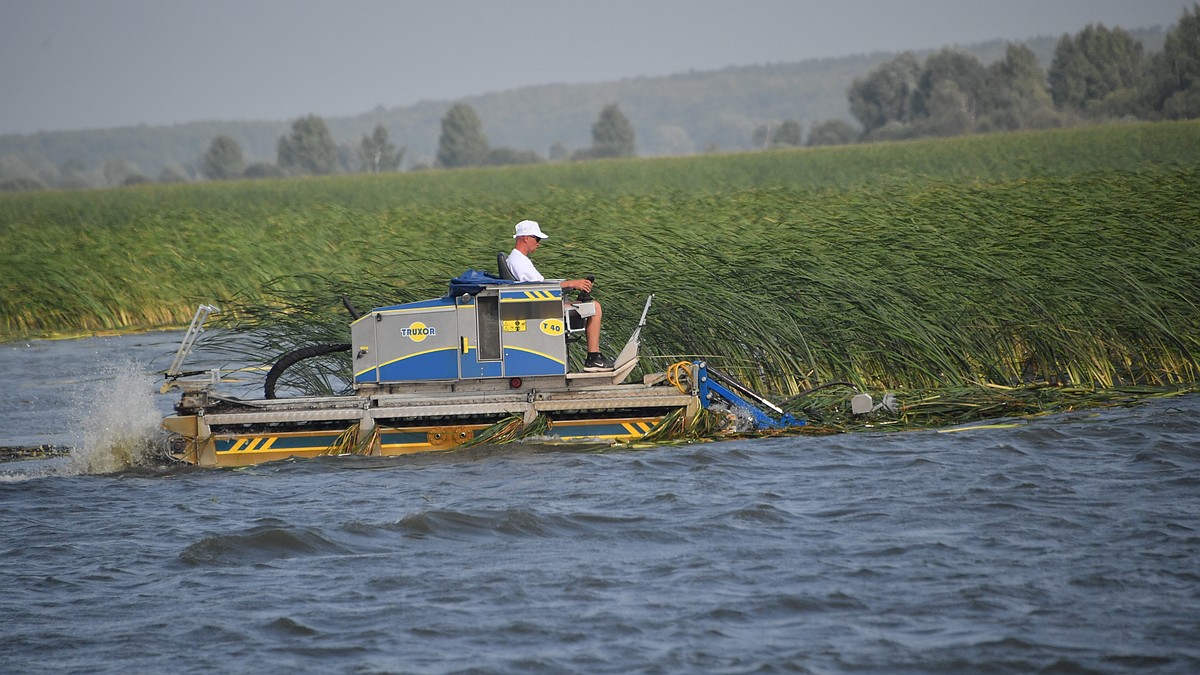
266	446
531	296
637	428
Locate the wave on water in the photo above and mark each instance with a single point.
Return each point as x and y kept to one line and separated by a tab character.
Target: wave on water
118	422
259	545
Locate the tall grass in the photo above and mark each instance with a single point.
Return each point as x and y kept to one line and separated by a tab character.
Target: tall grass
1089	280
1066	257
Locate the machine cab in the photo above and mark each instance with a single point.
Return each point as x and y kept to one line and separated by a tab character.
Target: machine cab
483	327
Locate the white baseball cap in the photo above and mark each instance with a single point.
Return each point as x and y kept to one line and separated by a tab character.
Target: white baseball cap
529	228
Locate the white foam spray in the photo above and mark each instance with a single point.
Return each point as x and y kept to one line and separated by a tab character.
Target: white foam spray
118	421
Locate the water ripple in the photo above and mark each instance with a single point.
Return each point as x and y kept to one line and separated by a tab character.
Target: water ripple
1066	544
259	545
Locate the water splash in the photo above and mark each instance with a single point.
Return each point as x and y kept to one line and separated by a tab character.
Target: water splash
118	421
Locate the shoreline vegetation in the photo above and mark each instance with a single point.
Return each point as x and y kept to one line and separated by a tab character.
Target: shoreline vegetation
1002	270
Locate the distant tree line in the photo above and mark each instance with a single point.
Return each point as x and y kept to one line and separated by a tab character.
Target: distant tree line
309	149
463	143
1094	75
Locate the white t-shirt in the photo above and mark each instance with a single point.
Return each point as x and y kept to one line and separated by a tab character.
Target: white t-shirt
522	267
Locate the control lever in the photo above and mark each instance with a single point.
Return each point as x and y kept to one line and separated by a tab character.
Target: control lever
586	296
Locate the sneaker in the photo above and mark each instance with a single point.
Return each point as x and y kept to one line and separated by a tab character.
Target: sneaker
597	363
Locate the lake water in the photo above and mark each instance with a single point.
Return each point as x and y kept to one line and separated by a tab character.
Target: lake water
1063	544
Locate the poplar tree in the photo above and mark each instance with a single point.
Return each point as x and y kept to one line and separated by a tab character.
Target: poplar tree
308	149
886	94
376	154
223	161
612	134
1175	89
1097	71
964	71
1017	96
462	142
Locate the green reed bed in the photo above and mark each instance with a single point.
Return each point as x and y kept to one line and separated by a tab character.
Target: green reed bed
1065	258
1088	281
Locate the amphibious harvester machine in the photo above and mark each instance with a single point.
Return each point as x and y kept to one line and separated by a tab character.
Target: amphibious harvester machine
437	374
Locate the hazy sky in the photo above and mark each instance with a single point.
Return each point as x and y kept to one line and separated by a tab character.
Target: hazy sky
72	64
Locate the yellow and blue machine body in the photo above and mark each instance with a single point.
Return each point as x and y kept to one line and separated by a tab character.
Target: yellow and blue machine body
492	331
